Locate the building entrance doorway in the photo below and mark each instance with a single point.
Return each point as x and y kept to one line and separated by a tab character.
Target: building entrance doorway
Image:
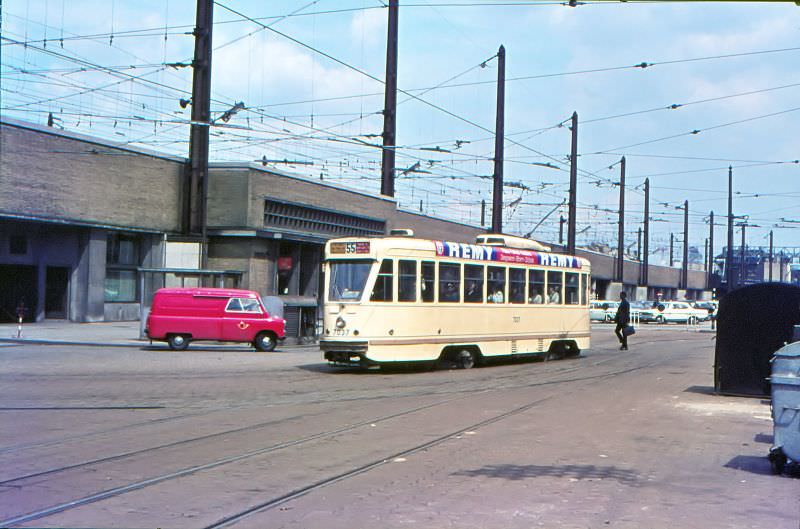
55	294
17	291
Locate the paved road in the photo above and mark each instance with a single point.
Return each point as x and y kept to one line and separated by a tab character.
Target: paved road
218	436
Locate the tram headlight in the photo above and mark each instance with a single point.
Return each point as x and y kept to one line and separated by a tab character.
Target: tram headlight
340	323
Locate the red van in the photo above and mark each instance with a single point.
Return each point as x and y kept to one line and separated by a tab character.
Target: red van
181	315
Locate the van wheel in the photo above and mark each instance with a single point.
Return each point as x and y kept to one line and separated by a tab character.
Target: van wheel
265	342
465	359
177	342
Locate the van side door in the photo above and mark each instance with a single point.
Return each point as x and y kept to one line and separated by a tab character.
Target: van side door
242	319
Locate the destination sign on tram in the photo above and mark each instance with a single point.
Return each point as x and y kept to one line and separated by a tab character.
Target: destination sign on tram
350	247
504	255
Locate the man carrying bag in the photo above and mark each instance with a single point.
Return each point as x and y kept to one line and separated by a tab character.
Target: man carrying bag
623	318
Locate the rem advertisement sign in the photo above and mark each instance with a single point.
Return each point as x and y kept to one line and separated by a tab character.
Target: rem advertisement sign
504	255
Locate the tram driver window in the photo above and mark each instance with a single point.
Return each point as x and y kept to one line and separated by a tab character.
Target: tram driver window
536	287
473	283
554	282
449	282
407	281
382	291
496	284
572	288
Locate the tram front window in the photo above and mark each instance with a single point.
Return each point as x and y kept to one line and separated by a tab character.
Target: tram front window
347	279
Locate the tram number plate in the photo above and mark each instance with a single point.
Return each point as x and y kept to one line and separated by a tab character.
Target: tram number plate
341	332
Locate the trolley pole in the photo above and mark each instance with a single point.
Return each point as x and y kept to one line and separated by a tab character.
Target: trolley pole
561	221
390	105
499	137
573	184
621	226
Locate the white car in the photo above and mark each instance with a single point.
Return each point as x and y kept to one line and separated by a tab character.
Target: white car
602	310
670	311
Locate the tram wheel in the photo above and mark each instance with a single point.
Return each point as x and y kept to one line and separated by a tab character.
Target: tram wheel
465	359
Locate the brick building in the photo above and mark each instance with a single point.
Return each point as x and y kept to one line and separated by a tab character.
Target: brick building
80	218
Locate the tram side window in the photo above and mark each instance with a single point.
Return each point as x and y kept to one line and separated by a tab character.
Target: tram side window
536	286
554	281
496	284
383	283
449	282
516	285
584	288
407	281
473	283
427	271
572	288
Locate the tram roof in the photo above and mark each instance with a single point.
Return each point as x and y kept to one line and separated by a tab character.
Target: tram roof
386	243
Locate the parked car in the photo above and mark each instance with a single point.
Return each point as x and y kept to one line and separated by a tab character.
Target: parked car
603	310
669	311
179	316
707	307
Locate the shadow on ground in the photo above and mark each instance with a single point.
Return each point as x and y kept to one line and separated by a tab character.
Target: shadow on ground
576	472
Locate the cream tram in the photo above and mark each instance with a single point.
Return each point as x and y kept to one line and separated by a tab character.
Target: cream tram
400	299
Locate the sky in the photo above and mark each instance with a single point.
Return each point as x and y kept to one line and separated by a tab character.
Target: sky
683	90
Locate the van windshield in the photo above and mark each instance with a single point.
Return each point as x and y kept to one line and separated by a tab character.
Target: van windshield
347	279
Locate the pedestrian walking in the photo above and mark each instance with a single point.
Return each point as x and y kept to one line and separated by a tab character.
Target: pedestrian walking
622	318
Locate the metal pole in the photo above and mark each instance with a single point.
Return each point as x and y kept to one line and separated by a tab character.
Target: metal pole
561	221
483	213
646	259
621	227
710	250
685	267
573	184
742	271
729	253
671	245
705	256
639	245
499	137
199	131
770	255
390	104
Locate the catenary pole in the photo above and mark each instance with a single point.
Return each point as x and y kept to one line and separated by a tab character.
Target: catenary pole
390	105
771	249
646	258
729	279
621	227
199	130
573	184
685	267
499	137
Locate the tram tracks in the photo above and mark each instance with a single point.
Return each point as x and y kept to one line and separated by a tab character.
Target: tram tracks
475	387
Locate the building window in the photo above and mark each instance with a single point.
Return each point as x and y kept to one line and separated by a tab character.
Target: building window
122	259
18	245
309	219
